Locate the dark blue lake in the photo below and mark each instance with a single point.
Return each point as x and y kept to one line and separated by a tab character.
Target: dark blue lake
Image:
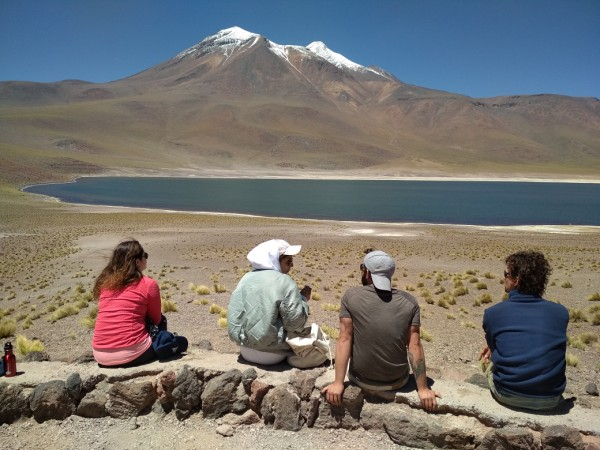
440	202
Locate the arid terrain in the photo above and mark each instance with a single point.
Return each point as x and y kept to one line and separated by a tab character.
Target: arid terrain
50	254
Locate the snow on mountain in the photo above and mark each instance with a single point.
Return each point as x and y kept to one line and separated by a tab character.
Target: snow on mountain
229	39
320	49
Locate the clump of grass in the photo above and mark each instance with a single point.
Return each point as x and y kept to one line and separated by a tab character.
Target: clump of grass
566	285
577	315
25	346
443	303
485	298
460	291
333	333
595	319
89	321
426	335
62	312
439	290
219	288
450	316
215	309
222	322
168	306
330	307
489	276
595	297
468	325
409	288
202	301
7	327
572	360
200	289
480	286
315	296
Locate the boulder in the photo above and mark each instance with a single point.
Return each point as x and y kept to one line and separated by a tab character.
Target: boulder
51	400
13	403
281	407
507	439
561	437
129	399
186	393
221	395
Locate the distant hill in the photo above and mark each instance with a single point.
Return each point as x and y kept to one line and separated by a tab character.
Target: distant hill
237	101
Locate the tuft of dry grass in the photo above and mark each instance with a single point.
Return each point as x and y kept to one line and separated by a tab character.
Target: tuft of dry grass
333	333
572	360
595	297
168	306
7	327
25	346
426	335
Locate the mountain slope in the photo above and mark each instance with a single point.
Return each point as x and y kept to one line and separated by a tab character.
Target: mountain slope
237	101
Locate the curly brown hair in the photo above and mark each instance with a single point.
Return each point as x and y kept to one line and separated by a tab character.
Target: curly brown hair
121	270
532	269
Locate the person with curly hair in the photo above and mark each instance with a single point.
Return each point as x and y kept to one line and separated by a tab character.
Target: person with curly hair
526	338
126	299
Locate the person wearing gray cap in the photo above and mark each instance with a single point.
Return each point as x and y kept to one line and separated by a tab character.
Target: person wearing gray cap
379	337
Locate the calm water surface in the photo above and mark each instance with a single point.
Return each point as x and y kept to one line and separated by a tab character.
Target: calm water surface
444	202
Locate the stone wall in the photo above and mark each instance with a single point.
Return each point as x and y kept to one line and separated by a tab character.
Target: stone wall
289	401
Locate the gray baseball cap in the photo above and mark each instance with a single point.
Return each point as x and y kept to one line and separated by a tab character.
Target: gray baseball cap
382	267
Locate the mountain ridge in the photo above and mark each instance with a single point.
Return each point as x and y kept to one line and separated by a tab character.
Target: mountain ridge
237	101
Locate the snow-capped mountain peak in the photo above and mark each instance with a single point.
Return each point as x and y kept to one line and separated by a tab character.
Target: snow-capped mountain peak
320	49
229	37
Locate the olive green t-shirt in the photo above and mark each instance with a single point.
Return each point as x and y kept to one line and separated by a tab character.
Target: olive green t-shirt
381	324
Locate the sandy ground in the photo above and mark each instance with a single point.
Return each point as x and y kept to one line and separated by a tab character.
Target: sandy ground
50	254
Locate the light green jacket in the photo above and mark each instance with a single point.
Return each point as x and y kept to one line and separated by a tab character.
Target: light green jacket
265	306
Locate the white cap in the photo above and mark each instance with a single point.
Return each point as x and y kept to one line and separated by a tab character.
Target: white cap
266	255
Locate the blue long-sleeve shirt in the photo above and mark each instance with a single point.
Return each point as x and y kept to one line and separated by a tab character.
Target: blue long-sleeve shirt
528	339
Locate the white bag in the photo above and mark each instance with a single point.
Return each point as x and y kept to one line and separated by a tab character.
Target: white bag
311	348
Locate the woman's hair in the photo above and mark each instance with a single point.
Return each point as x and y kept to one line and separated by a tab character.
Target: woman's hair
121	270
532	269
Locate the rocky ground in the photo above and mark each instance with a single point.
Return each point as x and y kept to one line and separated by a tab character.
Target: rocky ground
50	254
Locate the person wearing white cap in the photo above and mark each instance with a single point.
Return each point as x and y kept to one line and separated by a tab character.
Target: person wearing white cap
379	337
267	305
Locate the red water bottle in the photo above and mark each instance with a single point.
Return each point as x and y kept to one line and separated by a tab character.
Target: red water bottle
10	361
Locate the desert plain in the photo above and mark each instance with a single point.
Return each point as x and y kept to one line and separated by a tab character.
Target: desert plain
51	252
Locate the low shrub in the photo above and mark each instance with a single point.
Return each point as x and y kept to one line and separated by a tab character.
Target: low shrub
572	360
25	346
7	327
168	306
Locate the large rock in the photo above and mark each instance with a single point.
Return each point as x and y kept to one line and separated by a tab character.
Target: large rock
281	407
74	386
303	381
164	385
186	393
561	437
13	403
258	390
507	439
346	416
93	404
224	394
51	400
130	399
402	430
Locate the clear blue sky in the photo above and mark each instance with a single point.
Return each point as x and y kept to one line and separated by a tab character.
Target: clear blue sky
481	48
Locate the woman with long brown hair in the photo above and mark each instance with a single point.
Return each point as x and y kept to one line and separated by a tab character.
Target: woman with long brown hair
126	299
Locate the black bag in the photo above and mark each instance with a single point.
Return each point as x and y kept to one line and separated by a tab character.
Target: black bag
165	343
